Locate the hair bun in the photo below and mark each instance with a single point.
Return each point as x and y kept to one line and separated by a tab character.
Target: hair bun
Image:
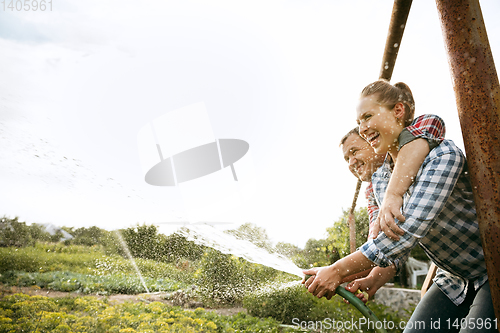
390	95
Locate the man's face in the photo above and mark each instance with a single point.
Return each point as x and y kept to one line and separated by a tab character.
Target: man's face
362	159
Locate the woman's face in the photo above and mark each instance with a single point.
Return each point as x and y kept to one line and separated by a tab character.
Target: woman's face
379	125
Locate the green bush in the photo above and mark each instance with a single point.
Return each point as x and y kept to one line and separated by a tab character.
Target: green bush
324	252
291	304
87	284
338	235
219	280
225	279
21	312
45	257
94	236
145	242
18	234
254	234
281	302
316	253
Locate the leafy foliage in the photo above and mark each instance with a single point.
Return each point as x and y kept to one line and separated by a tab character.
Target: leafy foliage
19	234
85	260
145	242
287	249
219	278
93	261
95	236
49	257
291	304
21	312
316	253
254	234
338	235
89	284
225	279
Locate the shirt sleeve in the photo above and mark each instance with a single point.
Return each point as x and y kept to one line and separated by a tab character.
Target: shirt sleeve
427	126
372	207
434	183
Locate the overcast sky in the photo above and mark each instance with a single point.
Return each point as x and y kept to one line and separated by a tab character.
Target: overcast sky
79	82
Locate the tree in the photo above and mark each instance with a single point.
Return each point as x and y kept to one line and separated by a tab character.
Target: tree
141	241
219	278
338	235
93	236
254	234
287	249
15	233
177	247
317	253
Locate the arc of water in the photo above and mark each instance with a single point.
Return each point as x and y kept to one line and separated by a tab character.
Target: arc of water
204	234
132	260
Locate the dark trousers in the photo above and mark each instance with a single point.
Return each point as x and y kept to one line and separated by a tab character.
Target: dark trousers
436	313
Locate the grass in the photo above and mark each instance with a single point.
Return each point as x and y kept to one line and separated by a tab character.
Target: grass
87	270
84	260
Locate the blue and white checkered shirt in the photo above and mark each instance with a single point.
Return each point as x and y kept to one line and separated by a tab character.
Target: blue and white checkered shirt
440	217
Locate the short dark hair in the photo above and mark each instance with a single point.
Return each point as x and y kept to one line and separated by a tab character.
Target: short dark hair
355	130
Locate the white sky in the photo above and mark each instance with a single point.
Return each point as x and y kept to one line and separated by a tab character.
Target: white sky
79	82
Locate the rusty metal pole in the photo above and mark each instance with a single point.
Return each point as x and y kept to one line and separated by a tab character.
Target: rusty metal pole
400	11
352	220
477	93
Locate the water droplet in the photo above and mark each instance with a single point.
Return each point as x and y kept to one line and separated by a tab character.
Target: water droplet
396	45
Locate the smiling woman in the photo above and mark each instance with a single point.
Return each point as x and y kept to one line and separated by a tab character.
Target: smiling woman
382	113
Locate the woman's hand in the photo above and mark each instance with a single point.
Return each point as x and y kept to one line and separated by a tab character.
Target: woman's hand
323	282
390	209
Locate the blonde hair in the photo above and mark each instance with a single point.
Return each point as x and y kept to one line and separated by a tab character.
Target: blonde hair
389	95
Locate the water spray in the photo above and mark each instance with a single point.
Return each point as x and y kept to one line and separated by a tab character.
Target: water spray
132	260
207	235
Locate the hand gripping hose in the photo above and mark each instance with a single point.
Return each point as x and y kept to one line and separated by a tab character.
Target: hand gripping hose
361	307
358	304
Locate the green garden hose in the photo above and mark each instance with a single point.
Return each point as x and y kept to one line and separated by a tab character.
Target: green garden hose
365	311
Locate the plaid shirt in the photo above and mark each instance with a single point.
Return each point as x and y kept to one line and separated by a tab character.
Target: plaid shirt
427	126
372	206
441	218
